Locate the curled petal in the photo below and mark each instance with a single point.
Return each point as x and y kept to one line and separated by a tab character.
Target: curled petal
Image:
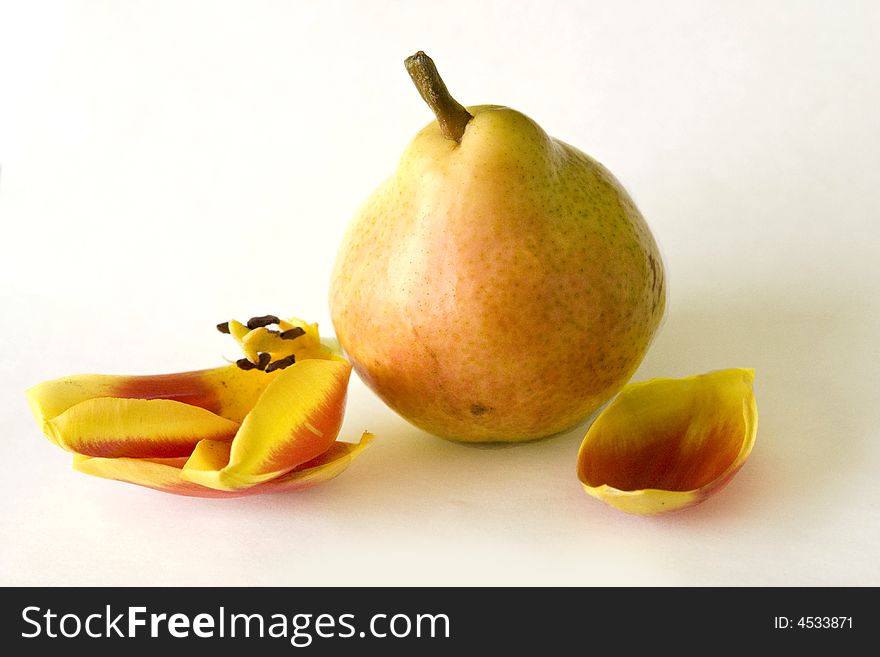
295	420
165	474
209	456
318	470
227	391
665	444
158	474
160	428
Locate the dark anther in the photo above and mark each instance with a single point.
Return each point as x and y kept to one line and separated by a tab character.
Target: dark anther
293	333
265	320
281	363
245	364
223	328
263	359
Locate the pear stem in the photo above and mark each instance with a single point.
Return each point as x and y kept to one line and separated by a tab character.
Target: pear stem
451	115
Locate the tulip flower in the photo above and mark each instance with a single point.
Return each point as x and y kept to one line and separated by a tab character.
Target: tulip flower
267	423
667	444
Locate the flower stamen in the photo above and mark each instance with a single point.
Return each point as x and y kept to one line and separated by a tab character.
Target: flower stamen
272	349
260	322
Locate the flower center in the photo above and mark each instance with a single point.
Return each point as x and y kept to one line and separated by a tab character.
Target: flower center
266	349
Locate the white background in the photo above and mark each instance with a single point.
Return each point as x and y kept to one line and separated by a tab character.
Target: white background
169	165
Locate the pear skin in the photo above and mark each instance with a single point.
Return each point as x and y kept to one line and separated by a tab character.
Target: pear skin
498	287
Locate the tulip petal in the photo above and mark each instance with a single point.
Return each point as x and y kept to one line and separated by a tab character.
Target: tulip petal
226	391
320	469
295	420
209	456
165	474
158	474
111	427
666	444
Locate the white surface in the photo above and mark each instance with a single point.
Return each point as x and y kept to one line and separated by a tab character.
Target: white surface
169	165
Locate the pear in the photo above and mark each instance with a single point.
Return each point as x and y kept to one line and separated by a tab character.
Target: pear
501	285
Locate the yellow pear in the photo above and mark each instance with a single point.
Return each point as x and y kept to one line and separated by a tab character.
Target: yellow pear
501	285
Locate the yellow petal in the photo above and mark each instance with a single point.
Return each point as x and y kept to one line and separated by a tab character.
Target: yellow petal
665	444
111	427
226	391
296	419
320	469
165	474
209	456
161	475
